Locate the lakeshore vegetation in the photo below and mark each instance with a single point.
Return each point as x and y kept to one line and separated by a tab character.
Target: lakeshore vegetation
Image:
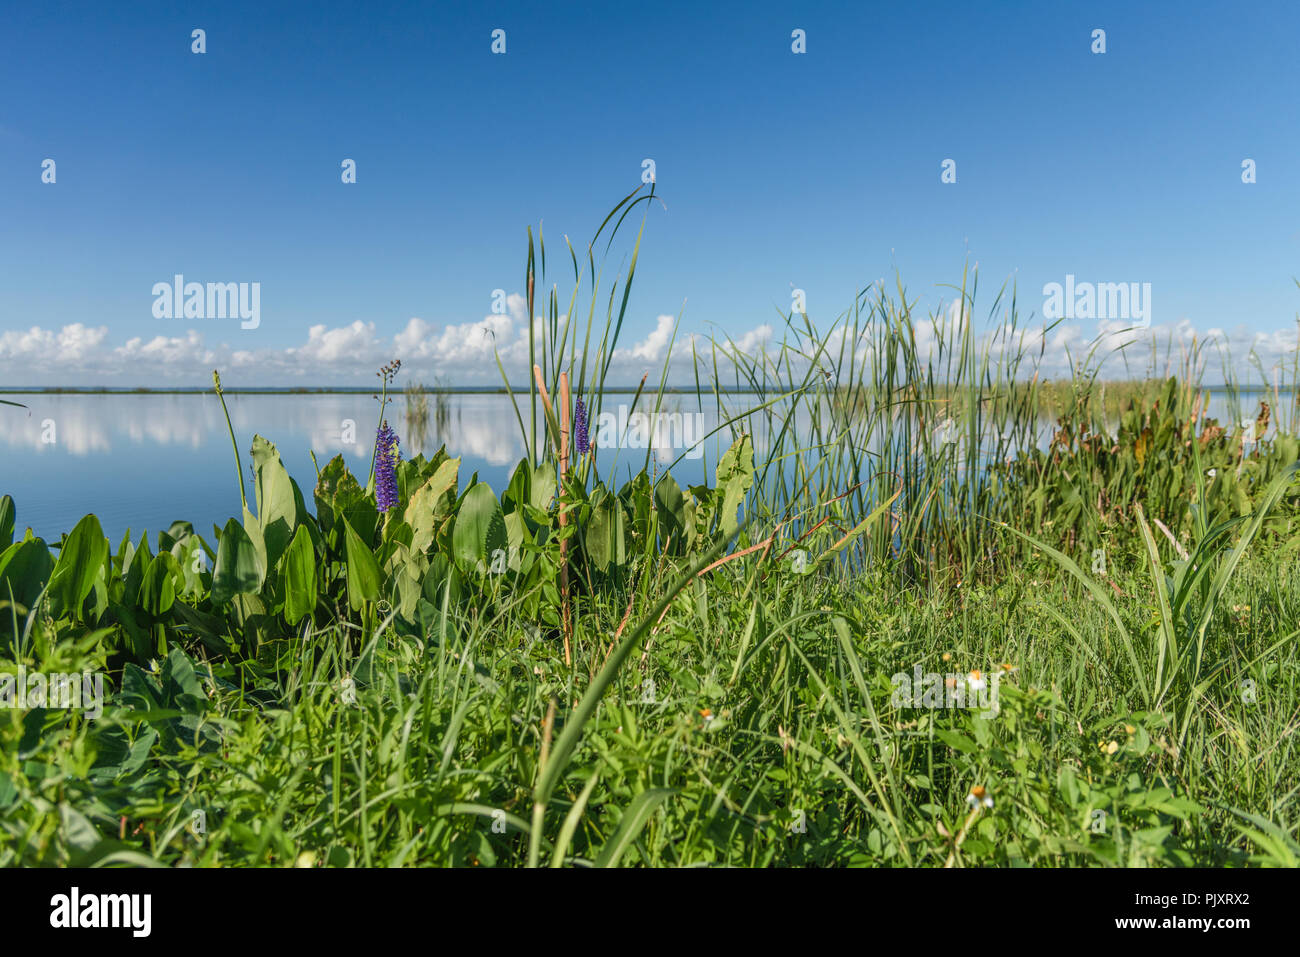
411	668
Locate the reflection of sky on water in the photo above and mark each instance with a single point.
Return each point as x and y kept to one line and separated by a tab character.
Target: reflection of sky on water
143	461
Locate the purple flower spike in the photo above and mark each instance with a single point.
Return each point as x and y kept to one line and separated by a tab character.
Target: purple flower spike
387	455
580	427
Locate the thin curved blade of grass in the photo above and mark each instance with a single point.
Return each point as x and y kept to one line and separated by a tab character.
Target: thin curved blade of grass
482	810
1271	837
571	820
854	532
1221	579
1199	564
855	667
532	460
567	742
633	822
1074	633
726	424
627	288
851	735
1168	636
1225	573
1099	593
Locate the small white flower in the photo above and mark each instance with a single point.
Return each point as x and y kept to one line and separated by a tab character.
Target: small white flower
976	681
979	797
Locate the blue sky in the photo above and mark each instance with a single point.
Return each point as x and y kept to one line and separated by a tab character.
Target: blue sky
819	171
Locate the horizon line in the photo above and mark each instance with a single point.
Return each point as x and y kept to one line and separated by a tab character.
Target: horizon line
502	390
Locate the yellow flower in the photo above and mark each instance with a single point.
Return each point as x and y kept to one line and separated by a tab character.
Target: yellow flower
979	797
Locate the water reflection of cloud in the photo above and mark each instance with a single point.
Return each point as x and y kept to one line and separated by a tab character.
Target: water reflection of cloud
74	431
481	428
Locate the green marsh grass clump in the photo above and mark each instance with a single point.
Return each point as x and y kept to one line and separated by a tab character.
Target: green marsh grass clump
417	415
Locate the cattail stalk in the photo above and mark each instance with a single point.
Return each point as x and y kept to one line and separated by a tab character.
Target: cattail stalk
564	518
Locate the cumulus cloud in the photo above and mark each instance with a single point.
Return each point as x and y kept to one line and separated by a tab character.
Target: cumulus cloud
70	347
174	350
653	346
465	353
349	344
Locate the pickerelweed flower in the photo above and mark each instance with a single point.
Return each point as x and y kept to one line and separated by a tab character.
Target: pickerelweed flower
580	427
387	455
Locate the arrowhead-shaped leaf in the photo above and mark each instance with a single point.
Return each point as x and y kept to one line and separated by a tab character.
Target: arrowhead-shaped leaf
238	570
480	527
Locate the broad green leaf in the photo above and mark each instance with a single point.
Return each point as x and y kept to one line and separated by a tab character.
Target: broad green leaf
480	527
519	492
253	529
277	510
429	505
25	567
180	684
6	521
735	475
406	571
544	486
238	570
516	535
363	570
298	575
606	536
338	494
135	559
175	532
210	629
81	560
670	505
158	585
192	558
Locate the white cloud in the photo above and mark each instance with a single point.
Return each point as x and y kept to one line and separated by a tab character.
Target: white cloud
180	351
348	344
69	347
652	347
464	353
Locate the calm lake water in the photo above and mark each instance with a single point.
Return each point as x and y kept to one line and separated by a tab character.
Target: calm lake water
142	461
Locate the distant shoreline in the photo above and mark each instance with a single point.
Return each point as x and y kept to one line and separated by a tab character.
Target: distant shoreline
461	390
328	390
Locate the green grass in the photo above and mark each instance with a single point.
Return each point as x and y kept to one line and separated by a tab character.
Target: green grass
803	762
320	684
